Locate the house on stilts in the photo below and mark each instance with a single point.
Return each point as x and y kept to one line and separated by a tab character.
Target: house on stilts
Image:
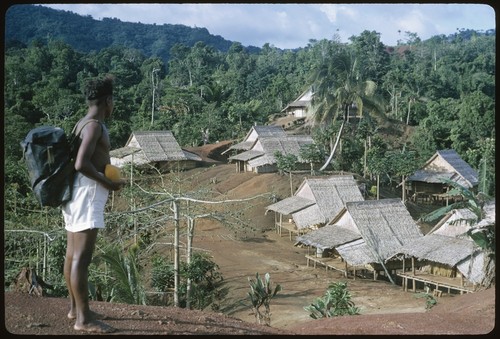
360	238
314	203
447	259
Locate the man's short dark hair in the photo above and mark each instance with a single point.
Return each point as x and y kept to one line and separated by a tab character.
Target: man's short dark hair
98	87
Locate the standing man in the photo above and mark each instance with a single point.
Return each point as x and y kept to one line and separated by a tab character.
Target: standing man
84	214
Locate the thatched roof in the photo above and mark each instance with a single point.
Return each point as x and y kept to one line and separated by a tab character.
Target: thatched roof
308	217
290	205
440	249
451	224
303	100
247	155
357	253
191	156
384	224
332	193
432	177
264	148
290	144
328	194
446	164
151	146
157	145
123	151
328	237
241	146
269	131
297	104
254	134
458	221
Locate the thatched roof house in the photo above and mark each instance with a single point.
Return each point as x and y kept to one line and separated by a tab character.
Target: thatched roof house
154	148
365	233
458	221
444	256
259	157
318	200
254	134
300	106
447	252
444	164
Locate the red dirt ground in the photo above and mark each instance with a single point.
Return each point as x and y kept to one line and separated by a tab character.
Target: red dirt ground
385	308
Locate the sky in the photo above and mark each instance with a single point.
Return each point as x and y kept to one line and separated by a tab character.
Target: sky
293	25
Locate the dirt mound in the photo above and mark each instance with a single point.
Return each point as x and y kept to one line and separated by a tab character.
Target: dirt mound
470	314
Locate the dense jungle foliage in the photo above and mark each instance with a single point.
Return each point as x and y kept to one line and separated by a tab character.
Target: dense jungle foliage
431	95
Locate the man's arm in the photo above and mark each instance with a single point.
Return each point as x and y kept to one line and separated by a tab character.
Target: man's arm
90	135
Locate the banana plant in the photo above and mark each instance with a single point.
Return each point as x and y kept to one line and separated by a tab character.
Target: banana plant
261	293
336	302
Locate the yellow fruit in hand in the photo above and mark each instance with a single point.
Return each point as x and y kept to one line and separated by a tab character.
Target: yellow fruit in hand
113	173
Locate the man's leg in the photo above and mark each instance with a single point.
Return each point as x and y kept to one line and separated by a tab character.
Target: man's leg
67	273
83	246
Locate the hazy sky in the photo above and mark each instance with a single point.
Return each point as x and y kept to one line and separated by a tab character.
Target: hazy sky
293	25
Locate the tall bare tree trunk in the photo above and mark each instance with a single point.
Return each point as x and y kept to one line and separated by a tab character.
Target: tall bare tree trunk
334	147
176	254
190	235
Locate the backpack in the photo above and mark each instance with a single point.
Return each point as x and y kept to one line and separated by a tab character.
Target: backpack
50	157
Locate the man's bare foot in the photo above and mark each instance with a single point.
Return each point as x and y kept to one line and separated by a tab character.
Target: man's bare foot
93	315
94	326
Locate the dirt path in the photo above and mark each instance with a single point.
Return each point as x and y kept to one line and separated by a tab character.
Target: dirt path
286	264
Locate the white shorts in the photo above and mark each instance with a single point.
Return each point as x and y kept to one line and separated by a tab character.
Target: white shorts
85	210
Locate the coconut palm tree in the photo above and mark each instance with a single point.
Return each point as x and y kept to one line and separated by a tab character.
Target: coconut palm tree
338	87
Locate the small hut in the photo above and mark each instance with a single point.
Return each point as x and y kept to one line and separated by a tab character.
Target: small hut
427	184
260	158
448	263
300	107
157	149
315	203
381	226
253	135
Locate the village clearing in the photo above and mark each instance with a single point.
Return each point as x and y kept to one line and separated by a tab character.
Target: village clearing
254	248
241	252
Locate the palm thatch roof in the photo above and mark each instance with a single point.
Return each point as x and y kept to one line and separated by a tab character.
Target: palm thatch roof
439	248
328	196
458	221
124	151
152	146
460	252
248	155
254	134
446	164
357	253
303	100
383	227
328	237
454	224
157	145
384	224
290	205
289	144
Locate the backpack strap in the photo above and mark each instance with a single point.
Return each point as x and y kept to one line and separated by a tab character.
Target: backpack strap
74	140
81	127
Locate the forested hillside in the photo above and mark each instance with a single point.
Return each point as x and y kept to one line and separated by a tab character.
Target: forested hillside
416	98
25	23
